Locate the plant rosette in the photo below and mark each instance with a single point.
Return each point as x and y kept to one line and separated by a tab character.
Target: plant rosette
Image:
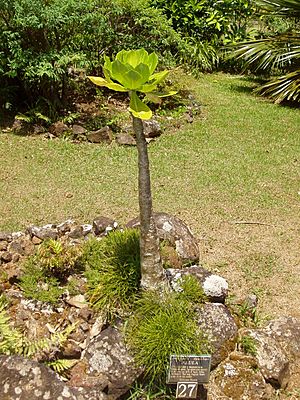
133	71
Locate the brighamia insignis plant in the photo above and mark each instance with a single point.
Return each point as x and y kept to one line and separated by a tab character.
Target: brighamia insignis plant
133	71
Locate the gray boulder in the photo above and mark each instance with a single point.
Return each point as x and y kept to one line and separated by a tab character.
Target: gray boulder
24	379
103	135
108	359
220	328
48	231
103	225
152	128
286	332
125	139
214	286
174	233
271	358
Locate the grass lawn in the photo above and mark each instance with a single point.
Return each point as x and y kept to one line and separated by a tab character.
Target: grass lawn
233	176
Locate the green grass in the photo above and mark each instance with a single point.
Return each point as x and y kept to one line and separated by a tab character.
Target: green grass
243	153
239	161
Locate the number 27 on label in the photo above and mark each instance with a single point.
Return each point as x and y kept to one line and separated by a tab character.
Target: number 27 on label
186	390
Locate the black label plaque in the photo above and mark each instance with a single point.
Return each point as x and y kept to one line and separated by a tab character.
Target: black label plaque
189	369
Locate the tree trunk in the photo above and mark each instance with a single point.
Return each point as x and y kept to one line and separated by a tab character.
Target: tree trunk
151	268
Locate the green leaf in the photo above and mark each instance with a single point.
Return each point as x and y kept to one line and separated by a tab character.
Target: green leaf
107	65
133	57
158	77
152	97
138	108
133	80
109	84
152	62
164	94
144	71
147	88
118	72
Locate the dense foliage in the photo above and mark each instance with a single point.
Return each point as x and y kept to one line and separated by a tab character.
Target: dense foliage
208	20
207	25
44	45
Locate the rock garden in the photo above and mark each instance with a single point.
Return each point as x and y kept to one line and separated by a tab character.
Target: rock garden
74	323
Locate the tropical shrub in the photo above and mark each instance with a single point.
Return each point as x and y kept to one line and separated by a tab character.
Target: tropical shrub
207	25
278	54
46	47
208	20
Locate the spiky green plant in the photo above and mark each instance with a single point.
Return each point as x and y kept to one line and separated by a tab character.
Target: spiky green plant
163	324
113	271
280	53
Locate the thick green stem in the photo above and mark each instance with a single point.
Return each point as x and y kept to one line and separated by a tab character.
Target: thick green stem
151	267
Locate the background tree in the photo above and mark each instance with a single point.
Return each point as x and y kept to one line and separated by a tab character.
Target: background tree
132	72
278	54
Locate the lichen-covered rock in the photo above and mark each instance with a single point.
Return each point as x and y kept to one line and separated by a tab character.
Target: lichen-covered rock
108	359
214	286
65	227
152	128
238	380
286	331
174	232
5	237
58	129
3	245
271	358
103	225
219	326
23	379
22	246
48	231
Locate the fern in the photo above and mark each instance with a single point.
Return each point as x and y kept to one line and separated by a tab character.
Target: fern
61	365
12	341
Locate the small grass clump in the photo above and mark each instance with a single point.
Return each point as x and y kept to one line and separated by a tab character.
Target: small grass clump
163	324
113	271
45	274
192	290
248	345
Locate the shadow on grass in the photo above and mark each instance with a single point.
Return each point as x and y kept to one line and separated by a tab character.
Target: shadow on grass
249	84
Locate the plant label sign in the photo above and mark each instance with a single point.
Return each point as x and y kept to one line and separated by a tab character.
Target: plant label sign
191	368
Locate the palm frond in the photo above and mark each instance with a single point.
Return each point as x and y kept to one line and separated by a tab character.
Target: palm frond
284	88
285	8
275	52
